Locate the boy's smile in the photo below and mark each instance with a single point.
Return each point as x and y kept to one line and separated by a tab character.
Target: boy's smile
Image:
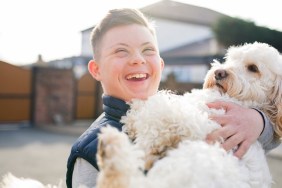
137	77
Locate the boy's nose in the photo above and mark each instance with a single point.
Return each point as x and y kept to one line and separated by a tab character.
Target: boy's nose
138	59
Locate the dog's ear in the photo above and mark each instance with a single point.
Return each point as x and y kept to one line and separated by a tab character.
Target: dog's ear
276	109
209	81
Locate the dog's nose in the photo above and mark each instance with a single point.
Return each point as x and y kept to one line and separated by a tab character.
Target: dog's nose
220	74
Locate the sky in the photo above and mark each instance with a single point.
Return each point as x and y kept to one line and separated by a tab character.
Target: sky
53	28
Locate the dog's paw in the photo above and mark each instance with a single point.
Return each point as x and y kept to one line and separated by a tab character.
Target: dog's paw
109	144
116	153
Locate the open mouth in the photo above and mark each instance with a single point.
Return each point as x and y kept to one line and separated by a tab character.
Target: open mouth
220	87
137	77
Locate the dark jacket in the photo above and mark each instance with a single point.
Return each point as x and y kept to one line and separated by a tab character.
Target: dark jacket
86	145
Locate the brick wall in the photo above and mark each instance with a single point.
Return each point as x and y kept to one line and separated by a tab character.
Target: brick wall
54	96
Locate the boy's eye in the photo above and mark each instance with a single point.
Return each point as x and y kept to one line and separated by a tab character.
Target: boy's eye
121	52
149	51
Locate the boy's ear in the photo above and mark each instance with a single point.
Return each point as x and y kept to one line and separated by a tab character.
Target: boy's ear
94	69
162	63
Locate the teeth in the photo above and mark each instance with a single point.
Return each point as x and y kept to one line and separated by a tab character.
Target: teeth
136	76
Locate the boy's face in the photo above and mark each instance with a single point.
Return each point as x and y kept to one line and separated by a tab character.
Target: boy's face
129	65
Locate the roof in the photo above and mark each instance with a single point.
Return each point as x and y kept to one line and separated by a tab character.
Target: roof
198	48
178	11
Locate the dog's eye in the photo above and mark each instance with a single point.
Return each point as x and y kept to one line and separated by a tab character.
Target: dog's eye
253	68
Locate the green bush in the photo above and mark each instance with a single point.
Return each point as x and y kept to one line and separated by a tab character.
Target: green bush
234	31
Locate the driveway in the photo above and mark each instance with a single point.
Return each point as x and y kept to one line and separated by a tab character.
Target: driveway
35	154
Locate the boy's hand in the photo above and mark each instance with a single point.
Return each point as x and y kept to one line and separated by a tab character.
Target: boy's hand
240	127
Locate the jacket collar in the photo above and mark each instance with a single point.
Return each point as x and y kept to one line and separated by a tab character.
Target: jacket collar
114	107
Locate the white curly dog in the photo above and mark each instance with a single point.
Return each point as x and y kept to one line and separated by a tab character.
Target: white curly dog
168	130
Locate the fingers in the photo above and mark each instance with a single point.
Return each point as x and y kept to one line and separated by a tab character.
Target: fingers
232	142
220	119
240	127
242	150
220	105
229	142
229	139
224	132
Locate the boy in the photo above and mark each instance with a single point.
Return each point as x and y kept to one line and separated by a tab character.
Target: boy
128	65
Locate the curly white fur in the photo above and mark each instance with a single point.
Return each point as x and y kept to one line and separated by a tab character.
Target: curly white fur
171	129
11	181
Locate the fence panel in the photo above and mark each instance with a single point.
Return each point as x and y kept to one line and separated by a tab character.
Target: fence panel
86	100
15	93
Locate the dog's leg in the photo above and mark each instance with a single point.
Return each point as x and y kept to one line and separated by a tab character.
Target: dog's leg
119	161
159	149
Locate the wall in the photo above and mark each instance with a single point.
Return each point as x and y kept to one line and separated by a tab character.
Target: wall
54	96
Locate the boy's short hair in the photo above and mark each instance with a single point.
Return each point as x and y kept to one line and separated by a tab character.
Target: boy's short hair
114	18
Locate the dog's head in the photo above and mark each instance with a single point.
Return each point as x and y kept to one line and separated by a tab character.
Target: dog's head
252	72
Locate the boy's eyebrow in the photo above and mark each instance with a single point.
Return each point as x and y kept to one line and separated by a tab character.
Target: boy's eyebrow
124	44
146	43
118	44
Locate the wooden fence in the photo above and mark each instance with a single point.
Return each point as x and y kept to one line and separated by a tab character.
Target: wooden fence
43	95
15	93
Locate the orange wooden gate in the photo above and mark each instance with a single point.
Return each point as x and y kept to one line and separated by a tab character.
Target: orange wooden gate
87	99
15	93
